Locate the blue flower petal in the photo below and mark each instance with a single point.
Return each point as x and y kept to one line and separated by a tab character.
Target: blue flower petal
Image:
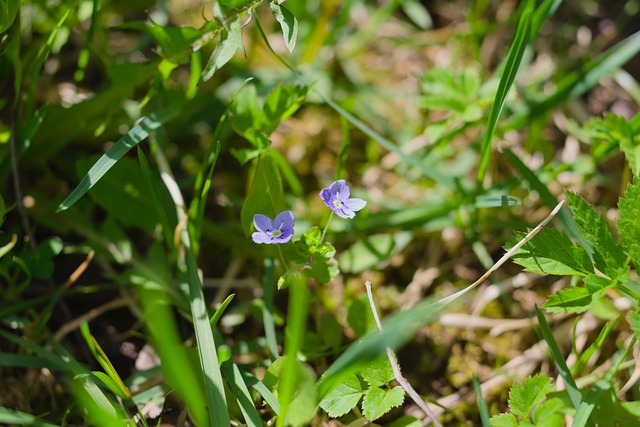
284	222
355	204
263	223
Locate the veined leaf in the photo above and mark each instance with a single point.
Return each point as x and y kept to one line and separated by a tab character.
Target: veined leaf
608	256
343	398
552	252
629	222
378	402
231	41
577	299
523	397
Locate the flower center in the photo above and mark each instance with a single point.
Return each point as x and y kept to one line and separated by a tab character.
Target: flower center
276	233
337	203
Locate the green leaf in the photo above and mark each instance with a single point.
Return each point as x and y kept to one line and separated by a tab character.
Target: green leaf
550	413
359	315
303	404
279	104
634	317
614	130
230	42
288	22
611	411
551	252
608	256
13	417
265	195
8	12
374	251
629	221
504	420
378	402
378	372
522	398
124	194
578	299
175	42
406	421
137	134
343	398
509	72
245	401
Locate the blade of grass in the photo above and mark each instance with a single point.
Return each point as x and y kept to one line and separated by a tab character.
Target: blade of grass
137	134
220	311
235	380
18	418
482	405
561	364
512	64
262	390
578	82
268	286
294	335
589	403
545	195
427	170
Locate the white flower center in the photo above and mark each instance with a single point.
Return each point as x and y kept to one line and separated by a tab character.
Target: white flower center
276	233
337	203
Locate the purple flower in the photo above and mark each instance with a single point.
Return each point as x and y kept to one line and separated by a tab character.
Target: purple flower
279	230
337	198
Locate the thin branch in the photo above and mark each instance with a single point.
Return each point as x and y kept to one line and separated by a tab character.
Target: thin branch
17	186
396	368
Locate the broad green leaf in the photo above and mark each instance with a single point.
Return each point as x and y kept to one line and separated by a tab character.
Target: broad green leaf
550	413
8	12
577	299
279	104
378	402
265	195
359	315
516	51
629	221
229	44
608	256
175	42
379	372
552	252
303	406
124	194
611	411
504	420
137	134
288	22
523	397
343	398
376	250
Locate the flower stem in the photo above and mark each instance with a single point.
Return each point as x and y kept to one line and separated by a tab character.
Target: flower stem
326	227
282	259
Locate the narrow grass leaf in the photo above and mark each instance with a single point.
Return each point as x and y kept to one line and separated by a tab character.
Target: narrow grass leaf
268	308
10	360
547	197
482	404
580	81
514	57
137	134
397	330
542	13
294	335
589	403
18	418
263	391
220	311
561	364
235	380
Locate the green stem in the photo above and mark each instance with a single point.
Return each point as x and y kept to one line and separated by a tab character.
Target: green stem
282	259
326	227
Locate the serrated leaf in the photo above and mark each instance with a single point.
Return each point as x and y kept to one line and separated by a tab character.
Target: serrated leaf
229	44
634	317
550	413
629	222
288	23
608	256
343	398
379	372
265	195
552	252
523	397
378	402
504	420
612	129
577	299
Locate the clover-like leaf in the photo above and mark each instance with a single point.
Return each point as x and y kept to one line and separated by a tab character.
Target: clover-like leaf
378	402
343	398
